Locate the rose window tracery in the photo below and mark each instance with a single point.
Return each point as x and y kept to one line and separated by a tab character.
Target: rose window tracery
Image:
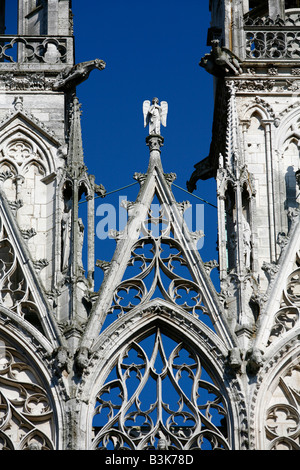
160	395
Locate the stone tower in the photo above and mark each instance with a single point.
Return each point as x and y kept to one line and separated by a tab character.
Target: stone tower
254	157
46	294
156	358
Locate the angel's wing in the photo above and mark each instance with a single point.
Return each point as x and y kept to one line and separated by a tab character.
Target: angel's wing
146	106
164	112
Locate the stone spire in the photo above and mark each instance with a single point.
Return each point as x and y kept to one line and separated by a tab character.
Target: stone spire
75	150
75	236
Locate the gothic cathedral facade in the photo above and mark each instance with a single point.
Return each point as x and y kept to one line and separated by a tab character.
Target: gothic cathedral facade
157	358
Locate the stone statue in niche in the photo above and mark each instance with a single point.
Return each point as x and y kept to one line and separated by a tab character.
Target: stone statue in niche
246	242
155	114
66	234
80	242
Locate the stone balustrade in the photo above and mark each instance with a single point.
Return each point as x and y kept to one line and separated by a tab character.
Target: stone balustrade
45	51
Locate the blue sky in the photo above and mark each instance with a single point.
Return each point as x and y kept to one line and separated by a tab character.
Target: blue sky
149	51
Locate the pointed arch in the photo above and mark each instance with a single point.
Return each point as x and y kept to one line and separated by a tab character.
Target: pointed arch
21	293
275	400
144	334
30	152
279	319
260	107
42	149
29	397
287	126
287	143
255	120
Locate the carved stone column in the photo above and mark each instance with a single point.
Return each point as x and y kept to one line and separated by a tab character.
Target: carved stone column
91	240
154	142
276	8
270	188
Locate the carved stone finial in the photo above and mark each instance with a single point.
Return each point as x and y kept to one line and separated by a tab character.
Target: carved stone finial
40	264
271	269
28	233
170	178
104	265
183	206
140	177
18	103
197	235
116	234
15	205
5	175
210	265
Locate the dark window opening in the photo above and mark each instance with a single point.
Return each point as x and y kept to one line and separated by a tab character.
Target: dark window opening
9	17
292	4
258	8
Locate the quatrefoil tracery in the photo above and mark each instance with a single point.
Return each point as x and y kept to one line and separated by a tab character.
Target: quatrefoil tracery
20	155
160	263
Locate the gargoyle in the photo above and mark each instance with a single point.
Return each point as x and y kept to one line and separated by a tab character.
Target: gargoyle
255	360
61	360
100	190
70	77
220	61
81	360
203	171
235	359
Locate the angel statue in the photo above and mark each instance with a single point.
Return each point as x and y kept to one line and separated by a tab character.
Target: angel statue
154	115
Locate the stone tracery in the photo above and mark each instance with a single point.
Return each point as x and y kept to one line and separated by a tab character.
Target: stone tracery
24	404
282	419
160	399
14	288
158	267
